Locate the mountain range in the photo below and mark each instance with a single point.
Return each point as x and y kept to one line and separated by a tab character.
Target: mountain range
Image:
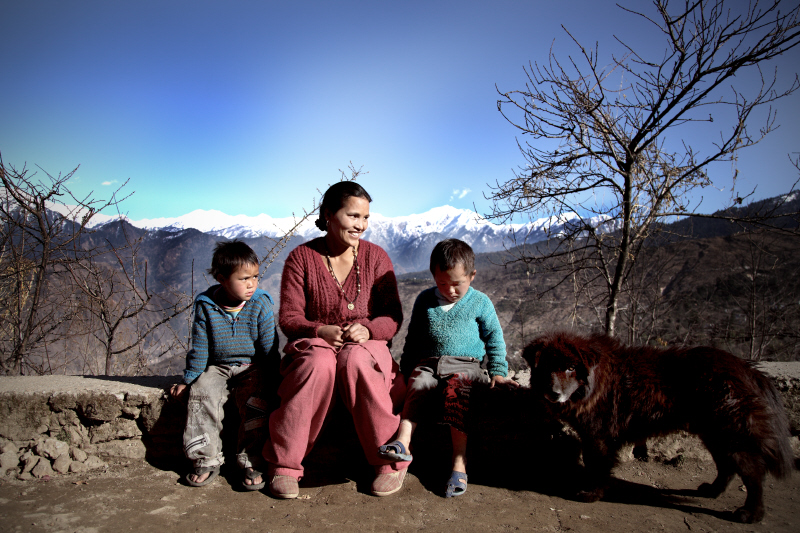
174	246
407	239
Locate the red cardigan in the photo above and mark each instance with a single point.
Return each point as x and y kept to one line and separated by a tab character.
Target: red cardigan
310	297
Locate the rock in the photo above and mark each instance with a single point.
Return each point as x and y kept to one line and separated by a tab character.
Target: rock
129	449
25	476
794	442
62	464
76	436
78	454
67	418
61	402
77	467
131	412
29	461
118	429
52	448
42	469
8	459
8	446
101	407
672	447
94	462
164	417
41	430
21	415
138	399
523	377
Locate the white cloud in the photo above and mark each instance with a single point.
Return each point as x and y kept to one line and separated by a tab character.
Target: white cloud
106	183
460	193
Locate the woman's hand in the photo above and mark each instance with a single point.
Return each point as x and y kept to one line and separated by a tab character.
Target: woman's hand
355	333
336	336
333	335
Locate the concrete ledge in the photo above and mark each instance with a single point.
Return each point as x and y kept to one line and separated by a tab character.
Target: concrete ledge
77	422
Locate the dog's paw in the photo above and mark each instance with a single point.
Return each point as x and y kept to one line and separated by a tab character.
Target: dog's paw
748	516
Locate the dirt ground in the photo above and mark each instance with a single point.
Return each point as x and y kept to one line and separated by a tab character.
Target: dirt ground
137	496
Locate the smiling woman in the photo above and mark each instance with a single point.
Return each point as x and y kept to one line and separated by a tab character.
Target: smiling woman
339	309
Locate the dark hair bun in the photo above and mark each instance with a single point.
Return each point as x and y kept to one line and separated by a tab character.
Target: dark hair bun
334	198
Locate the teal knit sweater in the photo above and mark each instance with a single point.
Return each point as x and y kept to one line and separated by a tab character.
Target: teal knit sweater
218	339
469	329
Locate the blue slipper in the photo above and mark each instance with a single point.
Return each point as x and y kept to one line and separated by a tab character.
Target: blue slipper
395	451
456	487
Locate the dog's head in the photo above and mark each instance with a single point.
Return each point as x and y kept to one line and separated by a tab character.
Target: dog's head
561	369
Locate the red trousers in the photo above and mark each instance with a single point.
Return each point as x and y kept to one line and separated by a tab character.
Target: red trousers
369	383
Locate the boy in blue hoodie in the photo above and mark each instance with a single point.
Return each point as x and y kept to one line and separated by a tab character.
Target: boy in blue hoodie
453	328
234	343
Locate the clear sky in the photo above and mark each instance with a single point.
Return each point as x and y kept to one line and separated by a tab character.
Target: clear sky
250	106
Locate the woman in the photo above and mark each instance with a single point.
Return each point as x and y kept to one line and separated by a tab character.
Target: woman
339	308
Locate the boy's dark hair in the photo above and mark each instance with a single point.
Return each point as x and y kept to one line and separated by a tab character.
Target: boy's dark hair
334	199
229	256
450	253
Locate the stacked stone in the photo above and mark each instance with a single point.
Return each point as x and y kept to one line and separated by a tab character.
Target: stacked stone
48	433
43	457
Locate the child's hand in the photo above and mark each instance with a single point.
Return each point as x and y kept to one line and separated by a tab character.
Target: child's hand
333	335
177	390
503	381
355	333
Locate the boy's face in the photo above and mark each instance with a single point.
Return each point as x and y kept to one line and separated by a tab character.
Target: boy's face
241	284
453	283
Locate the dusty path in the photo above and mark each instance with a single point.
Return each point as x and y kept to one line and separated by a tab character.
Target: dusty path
136	496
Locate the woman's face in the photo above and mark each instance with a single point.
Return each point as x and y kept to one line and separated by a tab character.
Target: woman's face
348	224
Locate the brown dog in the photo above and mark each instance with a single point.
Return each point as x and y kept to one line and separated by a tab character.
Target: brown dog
613	394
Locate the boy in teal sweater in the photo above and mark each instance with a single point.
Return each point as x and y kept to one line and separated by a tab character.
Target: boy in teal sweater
453	328
234	346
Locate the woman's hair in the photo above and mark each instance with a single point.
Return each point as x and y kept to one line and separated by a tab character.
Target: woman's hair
335	197
229	256
450	253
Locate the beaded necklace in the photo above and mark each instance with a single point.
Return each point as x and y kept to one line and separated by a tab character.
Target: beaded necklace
350	305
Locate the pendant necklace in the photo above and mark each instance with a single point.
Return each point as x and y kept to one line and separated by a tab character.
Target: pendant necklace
350	305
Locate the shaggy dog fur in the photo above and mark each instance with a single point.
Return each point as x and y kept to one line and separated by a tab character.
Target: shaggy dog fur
613	394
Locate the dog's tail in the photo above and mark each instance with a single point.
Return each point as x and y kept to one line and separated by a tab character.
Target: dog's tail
775	446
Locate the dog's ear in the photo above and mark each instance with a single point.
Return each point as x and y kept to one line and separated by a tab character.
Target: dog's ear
532	353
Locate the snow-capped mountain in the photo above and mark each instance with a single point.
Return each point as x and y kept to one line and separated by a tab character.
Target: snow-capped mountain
407	239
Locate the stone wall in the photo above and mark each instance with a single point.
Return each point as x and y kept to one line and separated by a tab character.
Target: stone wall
61	424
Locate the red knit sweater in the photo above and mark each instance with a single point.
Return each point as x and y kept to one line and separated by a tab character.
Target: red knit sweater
310	297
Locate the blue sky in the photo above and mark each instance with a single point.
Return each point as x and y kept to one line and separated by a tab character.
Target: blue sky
249	107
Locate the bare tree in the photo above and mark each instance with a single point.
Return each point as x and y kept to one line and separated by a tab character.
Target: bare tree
122	312
645	304
762	293
608	158
40	235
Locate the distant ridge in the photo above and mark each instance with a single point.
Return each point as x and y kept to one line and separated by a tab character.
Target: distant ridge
407	239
